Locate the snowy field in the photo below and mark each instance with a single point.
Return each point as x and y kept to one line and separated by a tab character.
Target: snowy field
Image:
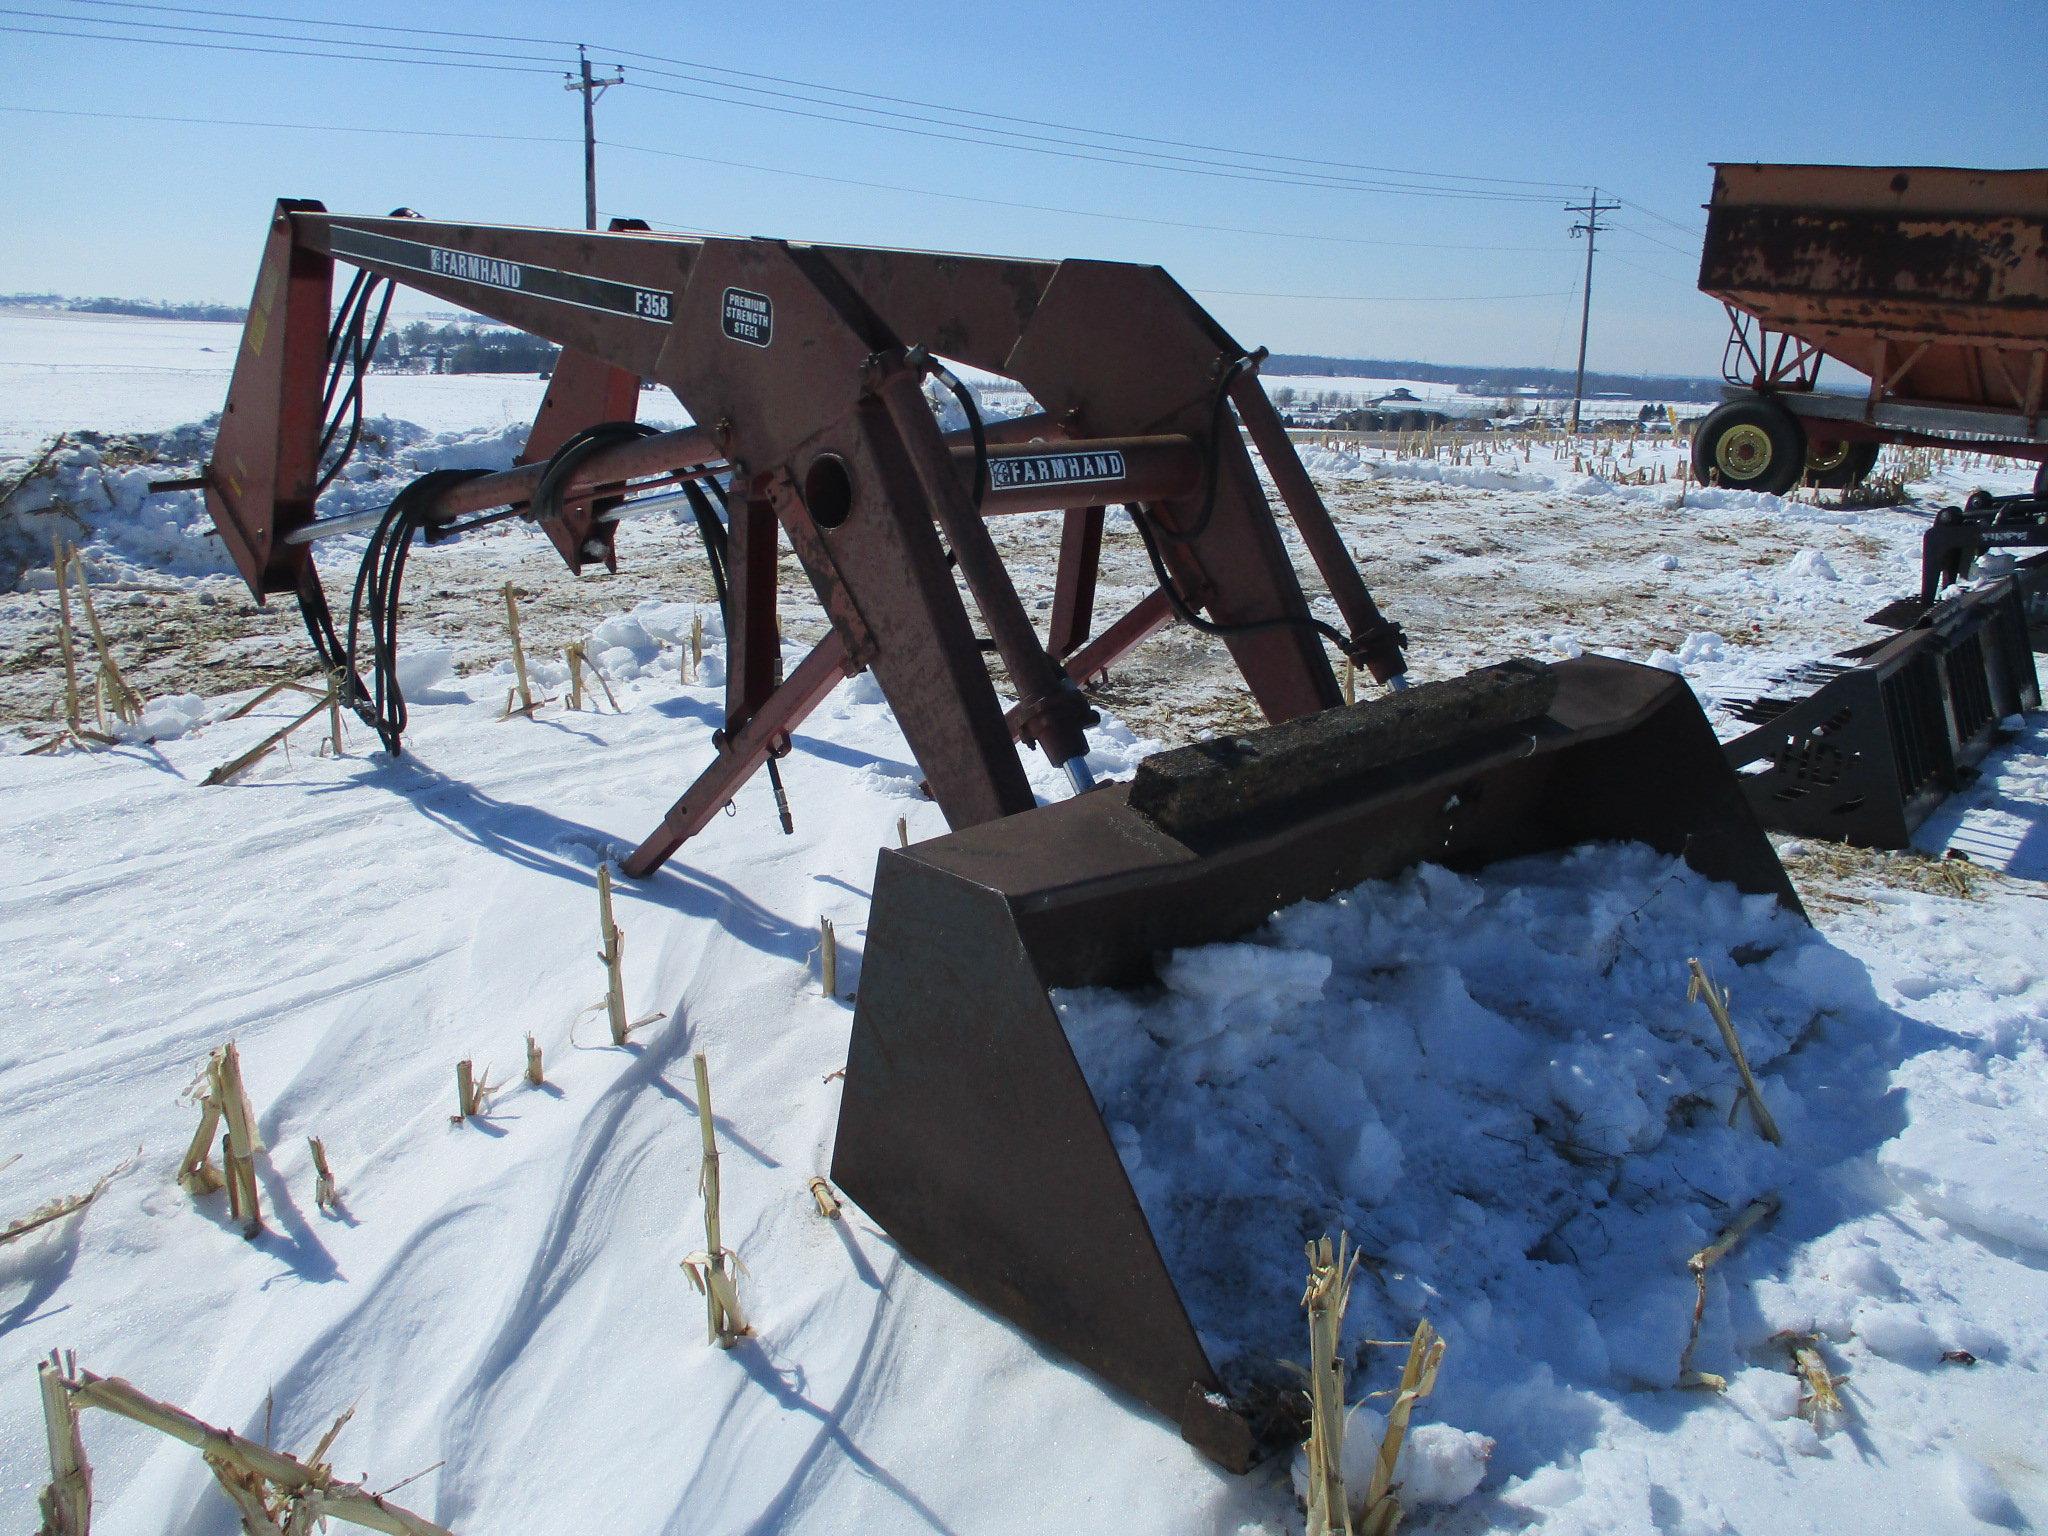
1495	1083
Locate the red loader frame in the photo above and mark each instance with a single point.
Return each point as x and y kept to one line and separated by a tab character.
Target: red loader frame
804	365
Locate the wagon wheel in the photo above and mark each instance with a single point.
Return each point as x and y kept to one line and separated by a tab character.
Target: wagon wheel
1750	445
1839	464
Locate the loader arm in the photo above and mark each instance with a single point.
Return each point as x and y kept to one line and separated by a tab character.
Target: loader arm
804	366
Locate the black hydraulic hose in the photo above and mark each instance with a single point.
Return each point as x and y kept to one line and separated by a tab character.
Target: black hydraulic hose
713	533
379	582
1225	629
347	347
356	349
975	428
1147	522
1212	460
562	463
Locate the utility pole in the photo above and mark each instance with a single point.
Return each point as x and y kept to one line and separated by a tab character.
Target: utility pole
591	89
1592	208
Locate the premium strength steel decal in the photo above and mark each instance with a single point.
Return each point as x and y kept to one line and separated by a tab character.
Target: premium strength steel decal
599	293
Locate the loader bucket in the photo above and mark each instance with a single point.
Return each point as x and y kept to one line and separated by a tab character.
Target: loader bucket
967	1128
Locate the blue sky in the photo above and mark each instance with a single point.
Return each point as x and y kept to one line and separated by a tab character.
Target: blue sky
1638	98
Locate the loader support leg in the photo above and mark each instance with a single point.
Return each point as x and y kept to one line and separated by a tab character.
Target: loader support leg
740	755
1073	598
1054	713
753	644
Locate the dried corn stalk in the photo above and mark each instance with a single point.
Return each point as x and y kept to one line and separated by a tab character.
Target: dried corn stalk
472	1091
613	955
712	1268
108	683
1752	1213
67	1501
579	661
828	1202
1418	1379
534	1075
50	1212
524	692
226	1099
325	1195
235	766
272	1492
1703	990
1328	1293
1820	1402
828	958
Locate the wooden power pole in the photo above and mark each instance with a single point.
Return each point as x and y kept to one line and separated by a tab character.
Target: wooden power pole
1592	208
591	89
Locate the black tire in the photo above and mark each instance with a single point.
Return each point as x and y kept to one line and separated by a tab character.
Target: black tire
1836	466
1750	445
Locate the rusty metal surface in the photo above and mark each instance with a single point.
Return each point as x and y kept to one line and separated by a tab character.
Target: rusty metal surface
583	392
259	485
1932	281
800	363
1312	520
1122	349
967	1127
741	754
1869	753
573	287
1073	593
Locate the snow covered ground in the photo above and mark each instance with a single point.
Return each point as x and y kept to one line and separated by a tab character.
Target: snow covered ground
1495	1083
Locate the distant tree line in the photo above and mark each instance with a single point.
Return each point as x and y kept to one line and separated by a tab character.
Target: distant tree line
459	348
1547	383
155	309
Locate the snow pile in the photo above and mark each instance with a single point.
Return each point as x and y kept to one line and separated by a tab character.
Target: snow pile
1695	650
96	493
1438	1465
1331	462
1494	1083
104	506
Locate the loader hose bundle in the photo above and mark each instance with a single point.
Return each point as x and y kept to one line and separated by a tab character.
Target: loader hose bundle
378	583
351	347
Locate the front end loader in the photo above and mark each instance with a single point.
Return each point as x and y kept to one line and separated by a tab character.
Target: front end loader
967	1129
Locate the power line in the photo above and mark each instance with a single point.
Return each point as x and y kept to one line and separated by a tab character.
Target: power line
294	53
1086	213
1245	174
775	170
1162	159
1683	282
246	33
239	122
1683	228
1643	234
1109	157
816	86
